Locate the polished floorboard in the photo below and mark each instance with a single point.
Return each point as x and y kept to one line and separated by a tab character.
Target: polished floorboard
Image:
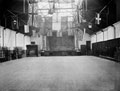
65	73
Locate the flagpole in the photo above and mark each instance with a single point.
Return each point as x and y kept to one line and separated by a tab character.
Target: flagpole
23	6
101	10
105	6
86	4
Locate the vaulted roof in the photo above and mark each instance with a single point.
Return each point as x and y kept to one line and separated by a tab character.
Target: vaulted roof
108	15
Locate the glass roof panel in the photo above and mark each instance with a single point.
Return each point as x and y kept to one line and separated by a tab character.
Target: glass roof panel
61	8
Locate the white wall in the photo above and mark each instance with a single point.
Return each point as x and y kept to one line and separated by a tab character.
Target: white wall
1	36
38	41
6	37
27	41
93	38
105	34
12	42
111	33
9	38
117	29
100	36
108	33
86	37
19	40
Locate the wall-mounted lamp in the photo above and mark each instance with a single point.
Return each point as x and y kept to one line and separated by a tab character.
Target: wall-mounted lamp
15	22
90	25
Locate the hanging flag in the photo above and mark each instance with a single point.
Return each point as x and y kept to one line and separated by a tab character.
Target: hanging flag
49	33
65	1
30	20
59	33
72	1
98	19
64	23
70	25
41	31
73	24
70	30
26	28
79	34
36	22
39	20
48	24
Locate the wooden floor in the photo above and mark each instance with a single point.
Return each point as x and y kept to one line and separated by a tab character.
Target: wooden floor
75	73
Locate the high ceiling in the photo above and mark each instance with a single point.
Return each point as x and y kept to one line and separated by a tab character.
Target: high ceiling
63	7
106	9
